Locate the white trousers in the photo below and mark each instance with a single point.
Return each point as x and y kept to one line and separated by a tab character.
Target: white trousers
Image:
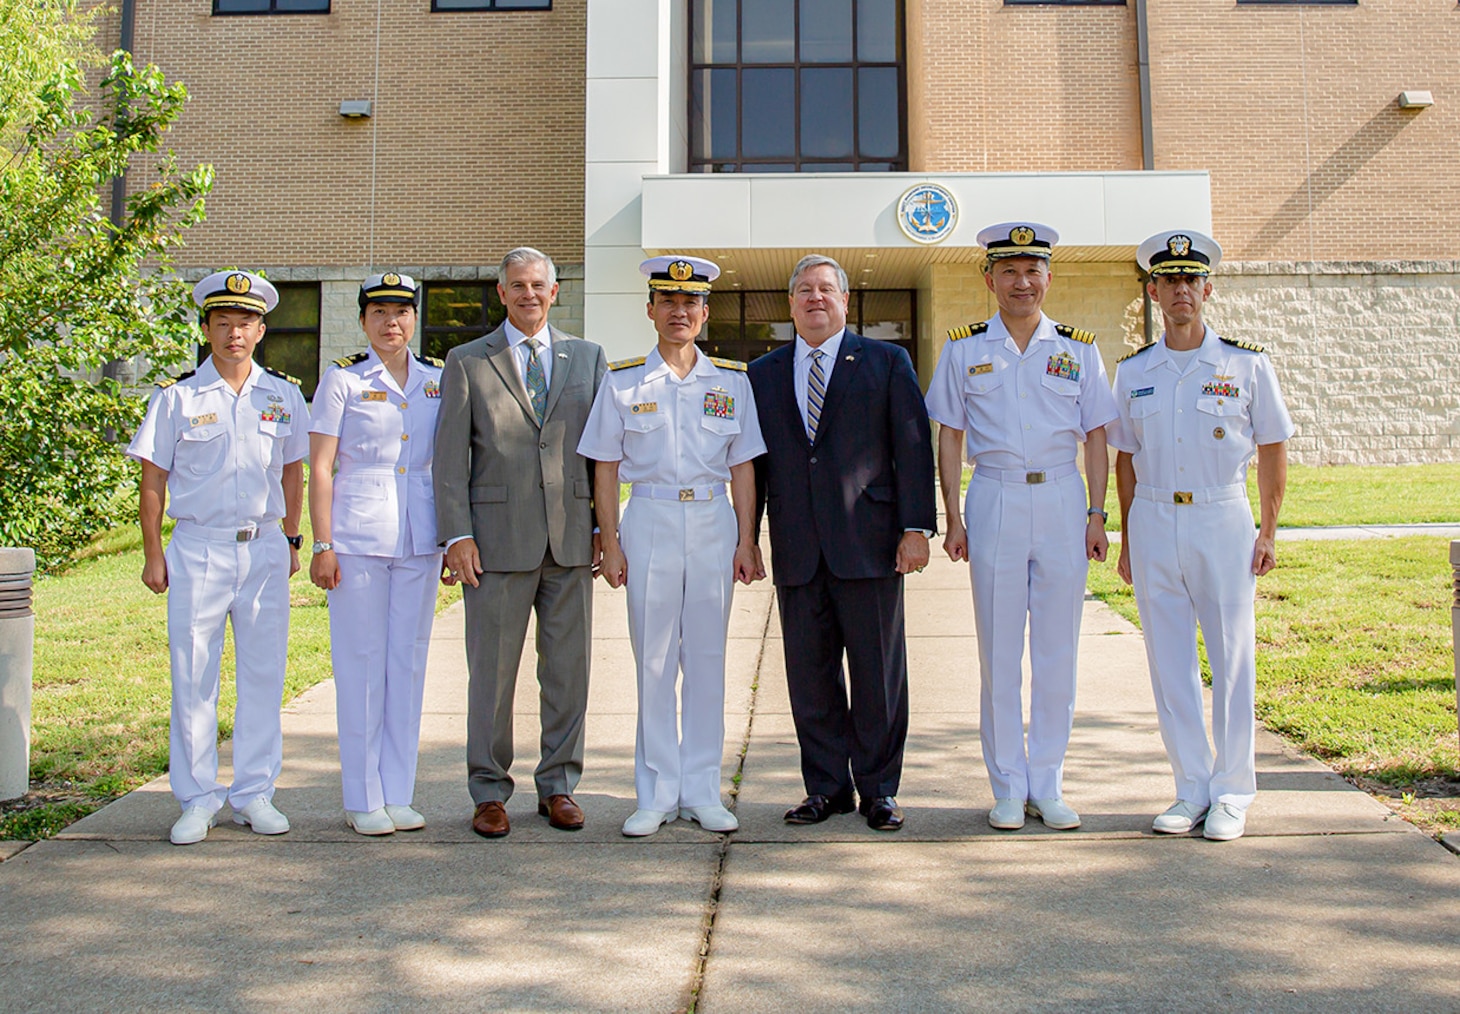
1026	554
1192	563
681	558
380	630
210	581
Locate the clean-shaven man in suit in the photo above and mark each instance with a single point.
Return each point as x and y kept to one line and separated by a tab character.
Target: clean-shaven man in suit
514	509
847	485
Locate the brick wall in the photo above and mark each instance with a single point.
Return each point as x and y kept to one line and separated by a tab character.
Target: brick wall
996	88
475	145
1292	109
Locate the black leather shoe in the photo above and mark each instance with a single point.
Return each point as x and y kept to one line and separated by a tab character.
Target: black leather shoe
882	813
814	809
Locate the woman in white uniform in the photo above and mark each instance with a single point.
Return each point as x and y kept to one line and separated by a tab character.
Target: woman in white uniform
375	550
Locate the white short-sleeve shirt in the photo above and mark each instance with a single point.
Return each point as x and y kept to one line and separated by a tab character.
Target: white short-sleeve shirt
383	501
1197	427
224	452
1020	411
671	431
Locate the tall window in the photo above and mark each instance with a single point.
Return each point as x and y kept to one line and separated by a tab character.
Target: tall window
744	325
457	312
797	86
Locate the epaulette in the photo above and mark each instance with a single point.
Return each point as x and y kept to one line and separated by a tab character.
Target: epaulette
1136	352
729	364
358	357
624	364
169	381
1075	334
430	361
1249	346
283	376
967	331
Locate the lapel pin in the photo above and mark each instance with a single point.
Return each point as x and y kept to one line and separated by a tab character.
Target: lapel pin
851	359
562	355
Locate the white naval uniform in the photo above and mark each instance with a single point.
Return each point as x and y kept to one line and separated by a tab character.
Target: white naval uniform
1024	416
383	527
224	454
1191	431
671	435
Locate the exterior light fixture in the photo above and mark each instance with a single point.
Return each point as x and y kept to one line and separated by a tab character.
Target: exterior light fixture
1415	100
355	109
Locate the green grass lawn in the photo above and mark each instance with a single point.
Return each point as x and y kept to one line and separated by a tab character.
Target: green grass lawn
1355	662
101	690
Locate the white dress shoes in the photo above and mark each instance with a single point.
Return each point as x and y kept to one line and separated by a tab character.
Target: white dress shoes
711	818
1225	822
262	817
192	827
1179	818
1007	814
404	817
372	822
645	822
1056	813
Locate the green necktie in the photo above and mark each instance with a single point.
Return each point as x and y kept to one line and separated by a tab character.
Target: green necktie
536	381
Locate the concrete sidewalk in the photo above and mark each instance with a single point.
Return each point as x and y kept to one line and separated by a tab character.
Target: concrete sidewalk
1329	903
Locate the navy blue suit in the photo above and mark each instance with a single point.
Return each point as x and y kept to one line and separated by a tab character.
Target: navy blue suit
837	509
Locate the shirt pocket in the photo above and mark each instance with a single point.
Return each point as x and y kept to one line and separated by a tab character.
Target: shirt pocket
645	422
984	384
1224	407
1062	386
720	426
202	450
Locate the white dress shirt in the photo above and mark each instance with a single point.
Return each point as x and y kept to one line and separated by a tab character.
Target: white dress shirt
803	368
520	351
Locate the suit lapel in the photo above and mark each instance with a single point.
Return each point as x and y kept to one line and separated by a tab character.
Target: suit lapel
499	354
785	377
562	354
850	356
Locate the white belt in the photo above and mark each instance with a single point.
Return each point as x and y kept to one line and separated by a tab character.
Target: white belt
1212	494
684	494
1030	477
245	534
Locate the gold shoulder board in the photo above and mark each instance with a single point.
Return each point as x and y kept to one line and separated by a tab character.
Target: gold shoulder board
430	361
729	364
1136	352
626	364
1076	334
169	381
358	357
967	331
282	375
1239	343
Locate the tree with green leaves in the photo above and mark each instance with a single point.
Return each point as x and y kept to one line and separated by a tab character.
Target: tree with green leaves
77	289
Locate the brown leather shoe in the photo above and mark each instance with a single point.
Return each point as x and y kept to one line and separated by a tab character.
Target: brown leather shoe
561	812
490	820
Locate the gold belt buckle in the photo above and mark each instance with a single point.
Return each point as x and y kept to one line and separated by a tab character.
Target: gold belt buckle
1180	497
1033	478
686	494
246	535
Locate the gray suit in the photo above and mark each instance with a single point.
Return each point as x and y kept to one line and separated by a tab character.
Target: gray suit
524	494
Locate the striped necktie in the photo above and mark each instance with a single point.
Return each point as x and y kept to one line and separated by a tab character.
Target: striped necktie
815	394
536	382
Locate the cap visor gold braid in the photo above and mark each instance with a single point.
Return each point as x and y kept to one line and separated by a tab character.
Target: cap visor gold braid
233	301
387	293
669	285
1181	268
999	253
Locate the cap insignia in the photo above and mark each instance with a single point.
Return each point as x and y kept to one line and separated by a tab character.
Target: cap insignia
1179	246
390	278
238	283
1021	235
681	271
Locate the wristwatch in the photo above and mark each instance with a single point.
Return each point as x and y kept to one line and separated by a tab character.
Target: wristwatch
1096	510
295	541
321	547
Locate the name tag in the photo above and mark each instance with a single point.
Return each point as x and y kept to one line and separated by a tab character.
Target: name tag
374	396
645	407
206	419
720	405
974	371
1141	392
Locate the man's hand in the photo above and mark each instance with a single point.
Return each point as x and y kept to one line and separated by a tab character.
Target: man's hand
759	563
1264	555
615	566
293	561
1097	543
324	570
1122	564
746	564
154	574
596	561
463	561
955	539
912	552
